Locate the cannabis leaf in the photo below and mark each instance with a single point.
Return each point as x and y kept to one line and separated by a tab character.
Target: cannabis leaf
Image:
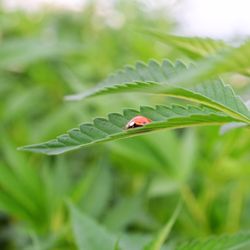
163	117
194	47
156	78
227	242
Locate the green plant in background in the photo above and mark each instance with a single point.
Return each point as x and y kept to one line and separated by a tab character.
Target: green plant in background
121	194
218	105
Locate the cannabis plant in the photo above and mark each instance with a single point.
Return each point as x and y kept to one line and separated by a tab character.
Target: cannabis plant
201	94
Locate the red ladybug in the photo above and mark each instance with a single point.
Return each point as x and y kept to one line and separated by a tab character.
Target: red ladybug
138	121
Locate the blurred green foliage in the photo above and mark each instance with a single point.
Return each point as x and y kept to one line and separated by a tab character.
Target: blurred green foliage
130	187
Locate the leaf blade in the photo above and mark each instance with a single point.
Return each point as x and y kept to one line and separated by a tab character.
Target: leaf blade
158	241
229	242
195	47
163	117
88	234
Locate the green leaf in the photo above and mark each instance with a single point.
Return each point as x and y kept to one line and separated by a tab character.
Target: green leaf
89	235
150	153
12	206
223	57
161	237
21	52
117	246
134	78
232	60
98	192
134	241
155	78
226	61
125	211
113	128
227	242
195	47
15	188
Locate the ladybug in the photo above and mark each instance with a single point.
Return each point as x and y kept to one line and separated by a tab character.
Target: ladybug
138	121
